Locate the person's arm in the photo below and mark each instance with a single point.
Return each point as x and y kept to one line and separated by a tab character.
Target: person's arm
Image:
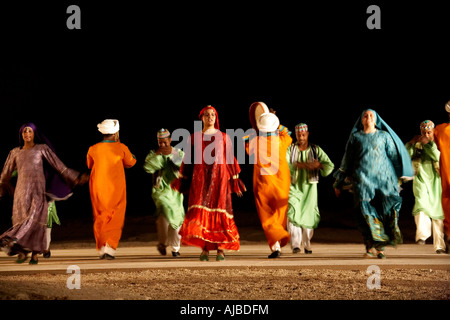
8	169
153	162
327	165
129	159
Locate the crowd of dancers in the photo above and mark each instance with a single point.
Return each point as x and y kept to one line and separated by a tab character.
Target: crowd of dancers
285	177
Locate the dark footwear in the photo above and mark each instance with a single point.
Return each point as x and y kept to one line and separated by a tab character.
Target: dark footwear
308	251
296	250
103	256
22	258
275	254
109	257
439	251
204	256
175	254
421	242
46	254
220	256
162	249
381	255
33	261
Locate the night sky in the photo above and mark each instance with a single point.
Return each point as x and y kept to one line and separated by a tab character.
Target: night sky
157	66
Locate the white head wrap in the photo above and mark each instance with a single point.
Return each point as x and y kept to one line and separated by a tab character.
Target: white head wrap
267	122
447	107
108	126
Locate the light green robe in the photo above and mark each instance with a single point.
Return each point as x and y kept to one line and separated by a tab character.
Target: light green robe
303	210
165	168
427	186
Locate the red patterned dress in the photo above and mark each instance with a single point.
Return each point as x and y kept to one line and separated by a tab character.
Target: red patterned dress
211	174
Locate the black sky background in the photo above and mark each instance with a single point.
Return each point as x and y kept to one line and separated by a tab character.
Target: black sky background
158	65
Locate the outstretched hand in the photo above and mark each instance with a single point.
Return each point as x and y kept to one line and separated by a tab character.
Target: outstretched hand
84	178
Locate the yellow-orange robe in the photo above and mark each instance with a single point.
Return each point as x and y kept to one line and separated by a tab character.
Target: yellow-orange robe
107	160
442	139
271	182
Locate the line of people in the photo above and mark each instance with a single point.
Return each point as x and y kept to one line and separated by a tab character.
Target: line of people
285	177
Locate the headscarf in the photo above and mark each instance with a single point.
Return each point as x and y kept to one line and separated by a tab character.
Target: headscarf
268	122
427	125
56	187
301	127
216	124
163	133
406	170
108	126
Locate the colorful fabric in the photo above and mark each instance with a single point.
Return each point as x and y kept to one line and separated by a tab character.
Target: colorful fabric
403	168
375	186
303	210
442	139
52	215
209	221
427	125
163	133
301	127
56	187
427	187
107	186
165	169
30	206
271	183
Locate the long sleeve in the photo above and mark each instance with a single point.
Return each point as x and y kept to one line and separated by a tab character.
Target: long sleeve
327	164
233	167
8	169
393	154
432	151
69	175
129	159
347	164
153	162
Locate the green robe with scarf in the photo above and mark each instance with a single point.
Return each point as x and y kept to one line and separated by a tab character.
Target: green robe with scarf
427	187
165	169
303	210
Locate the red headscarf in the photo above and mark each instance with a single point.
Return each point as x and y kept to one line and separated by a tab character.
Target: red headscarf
216	124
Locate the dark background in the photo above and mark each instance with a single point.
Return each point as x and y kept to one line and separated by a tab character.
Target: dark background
157	65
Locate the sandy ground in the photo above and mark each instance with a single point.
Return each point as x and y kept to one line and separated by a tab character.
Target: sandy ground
247	283
240	278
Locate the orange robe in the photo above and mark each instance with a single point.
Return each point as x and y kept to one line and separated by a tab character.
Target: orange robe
271	182
442	139
107	186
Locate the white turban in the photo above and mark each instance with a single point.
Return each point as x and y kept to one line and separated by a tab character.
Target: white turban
108	126
447	107
267	122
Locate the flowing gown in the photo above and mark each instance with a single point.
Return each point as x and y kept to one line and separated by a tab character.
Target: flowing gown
371	161
211	174
30	206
